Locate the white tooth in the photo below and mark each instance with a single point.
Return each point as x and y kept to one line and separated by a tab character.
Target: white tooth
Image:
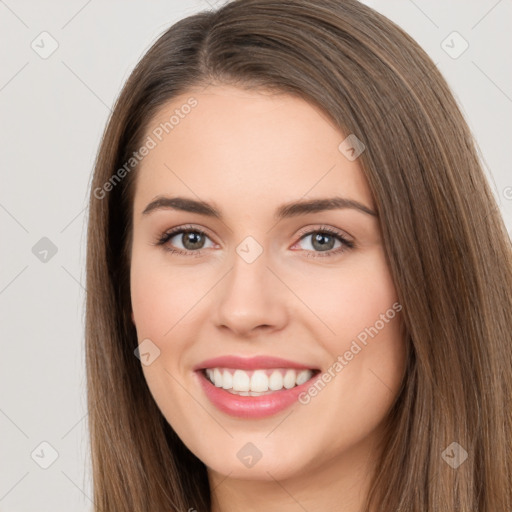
227	380
209	373
259	381
217	377
244	393
241	381
303	376
289	379
275	383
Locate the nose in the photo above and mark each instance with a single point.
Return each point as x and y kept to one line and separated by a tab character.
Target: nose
250	300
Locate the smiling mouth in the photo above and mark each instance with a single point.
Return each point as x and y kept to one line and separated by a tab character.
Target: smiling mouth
257	382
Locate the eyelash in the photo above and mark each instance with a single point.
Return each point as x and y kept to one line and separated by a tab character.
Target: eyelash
166	236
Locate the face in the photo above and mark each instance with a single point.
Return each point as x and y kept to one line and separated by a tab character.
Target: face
289	310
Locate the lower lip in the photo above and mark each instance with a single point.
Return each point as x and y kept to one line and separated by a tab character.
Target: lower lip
251	406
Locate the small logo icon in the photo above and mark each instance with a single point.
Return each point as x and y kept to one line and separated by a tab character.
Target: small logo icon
249	455
147	352
44	455
44	45
249	249
454	455
351	147
454	45
44	250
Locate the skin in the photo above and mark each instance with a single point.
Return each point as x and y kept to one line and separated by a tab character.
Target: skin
247	153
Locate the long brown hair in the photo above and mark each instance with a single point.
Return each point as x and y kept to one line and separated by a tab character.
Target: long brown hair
446	245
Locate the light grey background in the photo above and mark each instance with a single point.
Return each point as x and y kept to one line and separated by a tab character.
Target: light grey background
53	111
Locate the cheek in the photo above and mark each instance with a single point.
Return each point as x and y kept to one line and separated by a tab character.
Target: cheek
360	307
162	302
351	299
161	294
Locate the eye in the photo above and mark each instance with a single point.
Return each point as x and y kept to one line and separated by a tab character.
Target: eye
324	240
184	240
189	240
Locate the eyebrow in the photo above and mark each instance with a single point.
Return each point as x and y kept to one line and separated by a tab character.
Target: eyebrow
288	210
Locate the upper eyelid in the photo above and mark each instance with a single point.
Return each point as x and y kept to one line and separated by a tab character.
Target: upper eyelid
322	228
180	229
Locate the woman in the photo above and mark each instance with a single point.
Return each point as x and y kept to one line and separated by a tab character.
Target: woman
299	281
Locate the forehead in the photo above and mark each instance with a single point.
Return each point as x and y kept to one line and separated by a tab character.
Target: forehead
247	149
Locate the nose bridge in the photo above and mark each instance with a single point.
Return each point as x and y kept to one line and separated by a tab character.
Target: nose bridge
249	296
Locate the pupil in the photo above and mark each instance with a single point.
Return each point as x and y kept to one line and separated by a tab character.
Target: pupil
320	239
192	240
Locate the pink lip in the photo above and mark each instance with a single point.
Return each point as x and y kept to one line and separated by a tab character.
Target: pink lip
251	407
250	363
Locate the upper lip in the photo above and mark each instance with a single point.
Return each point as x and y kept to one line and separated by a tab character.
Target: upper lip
250	363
